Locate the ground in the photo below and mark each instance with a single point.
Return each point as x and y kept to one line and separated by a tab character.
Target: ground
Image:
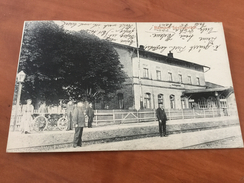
207	139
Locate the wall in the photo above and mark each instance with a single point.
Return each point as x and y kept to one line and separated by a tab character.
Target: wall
125	59
154	65
128	98
155	91
132	91
154	86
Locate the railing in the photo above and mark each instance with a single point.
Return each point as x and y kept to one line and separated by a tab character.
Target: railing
58	121
106	117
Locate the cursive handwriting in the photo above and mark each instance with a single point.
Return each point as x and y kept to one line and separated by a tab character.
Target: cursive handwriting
123	33
161	36
197	37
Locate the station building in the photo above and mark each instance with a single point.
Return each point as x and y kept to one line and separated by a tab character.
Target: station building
154	78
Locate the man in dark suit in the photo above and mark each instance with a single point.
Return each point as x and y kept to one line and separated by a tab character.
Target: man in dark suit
90	114
162	118
69	113
79	123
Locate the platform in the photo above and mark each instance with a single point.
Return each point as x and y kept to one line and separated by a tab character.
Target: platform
51	140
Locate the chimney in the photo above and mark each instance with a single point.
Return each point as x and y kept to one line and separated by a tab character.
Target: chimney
170	54
142	48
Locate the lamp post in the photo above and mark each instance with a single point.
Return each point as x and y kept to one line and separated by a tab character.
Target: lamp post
20	79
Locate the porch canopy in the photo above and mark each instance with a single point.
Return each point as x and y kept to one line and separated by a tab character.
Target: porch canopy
197	93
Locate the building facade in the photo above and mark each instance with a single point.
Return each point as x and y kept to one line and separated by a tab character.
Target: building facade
154	78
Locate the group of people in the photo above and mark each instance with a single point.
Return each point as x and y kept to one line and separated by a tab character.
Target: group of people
76	118
79	121
71	114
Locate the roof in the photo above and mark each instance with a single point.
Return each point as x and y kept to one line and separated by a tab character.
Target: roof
205	90
212	85
163	57
224	90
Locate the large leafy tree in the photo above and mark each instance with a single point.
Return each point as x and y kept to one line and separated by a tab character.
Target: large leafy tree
60	64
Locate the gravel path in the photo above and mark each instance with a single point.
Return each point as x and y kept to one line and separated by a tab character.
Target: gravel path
217	138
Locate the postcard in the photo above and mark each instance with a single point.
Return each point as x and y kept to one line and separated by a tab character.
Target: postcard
116	86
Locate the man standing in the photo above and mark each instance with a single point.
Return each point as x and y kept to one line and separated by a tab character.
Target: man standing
69	111
79	123
42	111
162	118
90	114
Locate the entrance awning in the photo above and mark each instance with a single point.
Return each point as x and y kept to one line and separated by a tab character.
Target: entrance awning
223	90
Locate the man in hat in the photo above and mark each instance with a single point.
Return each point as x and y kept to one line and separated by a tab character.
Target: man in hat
69	114
90	114
162	118
79	123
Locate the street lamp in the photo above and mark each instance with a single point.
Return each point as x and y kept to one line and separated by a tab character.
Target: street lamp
20	79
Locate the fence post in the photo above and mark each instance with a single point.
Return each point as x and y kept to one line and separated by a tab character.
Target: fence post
113	117
193	113
213	112
122	116
137	114
182	111
96	117
169	115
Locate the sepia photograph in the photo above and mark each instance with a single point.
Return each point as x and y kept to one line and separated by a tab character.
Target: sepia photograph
119	86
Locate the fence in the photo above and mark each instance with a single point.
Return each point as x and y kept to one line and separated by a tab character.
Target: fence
106	117
56	121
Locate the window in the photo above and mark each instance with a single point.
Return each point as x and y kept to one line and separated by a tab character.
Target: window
202	103
191	103
223	105
158	73
121	100
198	81
147	100
180	78
211	102
170	76
160	98
145	73
223	102
189	80
172	101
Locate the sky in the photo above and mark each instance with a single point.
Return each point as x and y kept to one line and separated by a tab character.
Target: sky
201	43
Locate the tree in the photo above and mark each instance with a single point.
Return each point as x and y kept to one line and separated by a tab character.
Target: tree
60	64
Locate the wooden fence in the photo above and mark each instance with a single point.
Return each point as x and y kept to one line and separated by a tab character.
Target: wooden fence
106	117
110	117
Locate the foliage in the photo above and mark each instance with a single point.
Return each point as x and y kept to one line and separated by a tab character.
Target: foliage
61	64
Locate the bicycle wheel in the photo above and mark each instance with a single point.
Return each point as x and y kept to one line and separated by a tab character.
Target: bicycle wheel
40	123
62	123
